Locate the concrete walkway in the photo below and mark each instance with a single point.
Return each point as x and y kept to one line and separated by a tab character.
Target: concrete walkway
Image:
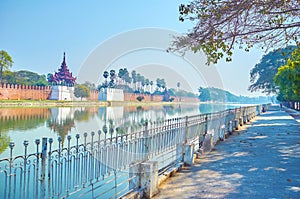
260	161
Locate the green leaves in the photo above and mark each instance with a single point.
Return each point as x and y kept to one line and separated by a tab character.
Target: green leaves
81	91
5	62
288	78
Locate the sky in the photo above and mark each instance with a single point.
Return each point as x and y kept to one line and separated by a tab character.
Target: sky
102	35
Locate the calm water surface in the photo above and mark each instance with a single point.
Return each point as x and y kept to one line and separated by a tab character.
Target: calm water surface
19	124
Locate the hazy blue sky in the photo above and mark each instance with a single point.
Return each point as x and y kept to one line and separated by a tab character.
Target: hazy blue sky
36	33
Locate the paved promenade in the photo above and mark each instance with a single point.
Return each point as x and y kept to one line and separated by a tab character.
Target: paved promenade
260	161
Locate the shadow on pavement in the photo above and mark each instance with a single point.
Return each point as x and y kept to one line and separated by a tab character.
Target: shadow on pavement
261	161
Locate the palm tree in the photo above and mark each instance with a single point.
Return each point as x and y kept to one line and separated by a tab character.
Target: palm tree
105	75
178	85
151	86
158	84
126	77
163	84
112	74
122	73
143	83
147	82
138	80
133	76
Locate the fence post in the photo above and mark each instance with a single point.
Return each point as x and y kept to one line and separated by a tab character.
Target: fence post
43	171
37	142
241	121
11	146
146	141
25	143
188	158
134	172
49	157
185	137
245	119
44	157
230	128
149	178
188	149
221	133
68	166
59	166
186	129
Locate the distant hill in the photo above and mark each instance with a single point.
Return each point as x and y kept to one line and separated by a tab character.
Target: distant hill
212	94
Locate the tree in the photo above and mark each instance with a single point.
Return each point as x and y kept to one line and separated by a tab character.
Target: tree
5	62
288	78
262	75
91	86
221	25
140	98
81	91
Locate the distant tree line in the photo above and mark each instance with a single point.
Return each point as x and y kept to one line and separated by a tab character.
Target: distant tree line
133	82
212	94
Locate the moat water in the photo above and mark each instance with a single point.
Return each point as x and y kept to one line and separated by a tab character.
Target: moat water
19	124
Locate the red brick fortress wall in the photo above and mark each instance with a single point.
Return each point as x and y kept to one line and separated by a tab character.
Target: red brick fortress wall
24	92
93	96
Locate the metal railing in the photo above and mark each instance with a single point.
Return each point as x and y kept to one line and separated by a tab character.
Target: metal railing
100	168
292	105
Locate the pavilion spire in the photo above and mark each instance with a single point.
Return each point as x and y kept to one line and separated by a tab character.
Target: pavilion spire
64	64
64	60
63	76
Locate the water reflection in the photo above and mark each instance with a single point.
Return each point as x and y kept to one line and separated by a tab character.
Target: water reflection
62	119
19	119
22	118
19	124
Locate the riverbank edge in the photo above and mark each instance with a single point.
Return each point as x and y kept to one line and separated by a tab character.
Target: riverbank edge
51	103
